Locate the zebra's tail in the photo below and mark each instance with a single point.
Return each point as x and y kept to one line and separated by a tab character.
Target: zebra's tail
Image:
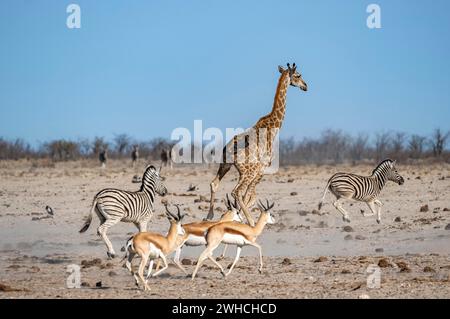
129	247
88	221
324	194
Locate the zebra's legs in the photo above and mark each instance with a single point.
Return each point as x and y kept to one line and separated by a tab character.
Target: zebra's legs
142	226
338	205
102	230
372	207
375	207
379	204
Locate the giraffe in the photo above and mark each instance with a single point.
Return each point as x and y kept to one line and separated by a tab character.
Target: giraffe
246	152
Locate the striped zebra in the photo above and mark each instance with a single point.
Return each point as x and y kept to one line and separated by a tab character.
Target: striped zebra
362	188
114	205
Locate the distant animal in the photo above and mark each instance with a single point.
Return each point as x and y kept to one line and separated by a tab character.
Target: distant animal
238	234
135	155
252	159
103	157
362	188
49	210
114	205
166	157
153	246
194	233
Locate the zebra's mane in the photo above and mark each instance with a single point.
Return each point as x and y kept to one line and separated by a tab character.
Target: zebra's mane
383	163
148	174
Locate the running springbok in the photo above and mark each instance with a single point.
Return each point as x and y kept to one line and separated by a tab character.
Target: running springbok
194	233
239	234
153	246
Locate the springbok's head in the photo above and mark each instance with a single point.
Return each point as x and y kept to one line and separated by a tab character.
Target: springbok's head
393	175
265	211
175	219
232	213
295	78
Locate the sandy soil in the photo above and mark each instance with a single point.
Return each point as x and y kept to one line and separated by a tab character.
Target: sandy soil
306	254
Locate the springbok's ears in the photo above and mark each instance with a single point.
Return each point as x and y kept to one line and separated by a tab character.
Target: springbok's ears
281	69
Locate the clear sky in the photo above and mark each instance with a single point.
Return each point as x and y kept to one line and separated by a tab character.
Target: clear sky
146	67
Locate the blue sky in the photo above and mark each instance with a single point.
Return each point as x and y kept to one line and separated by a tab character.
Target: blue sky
146	67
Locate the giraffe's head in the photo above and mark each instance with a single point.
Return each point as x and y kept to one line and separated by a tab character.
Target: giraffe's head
295	78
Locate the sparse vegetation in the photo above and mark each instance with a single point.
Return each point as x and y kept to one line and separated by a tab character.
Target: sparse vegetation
331	147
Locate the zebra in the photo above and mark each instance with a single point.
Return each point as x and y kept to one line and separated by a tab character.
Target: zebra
362	188
114	205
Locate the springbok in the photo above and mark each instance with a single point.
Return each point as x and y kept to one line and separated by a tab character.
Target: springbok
153	246
194	233
239	234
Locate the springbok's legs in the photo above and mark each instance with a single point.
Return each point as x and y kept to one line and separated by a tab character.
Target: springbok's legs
164	260
238	253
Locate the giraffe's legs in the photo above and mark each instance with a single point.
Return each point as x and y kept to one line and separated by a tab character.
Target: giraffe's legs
250	195
223	169
238	194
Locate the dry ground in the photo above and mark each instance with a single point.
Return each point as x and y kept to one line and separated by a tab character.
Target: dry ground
413	245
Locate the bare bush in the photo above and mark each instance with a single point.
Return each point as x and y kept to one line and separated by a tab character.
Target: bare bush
14	149
122	144
382	145
62	150
359	147
333	146
416	146
438	141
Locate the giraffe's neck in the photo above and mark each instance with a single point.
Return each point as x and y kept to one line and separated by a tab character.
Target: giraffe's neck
276	116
